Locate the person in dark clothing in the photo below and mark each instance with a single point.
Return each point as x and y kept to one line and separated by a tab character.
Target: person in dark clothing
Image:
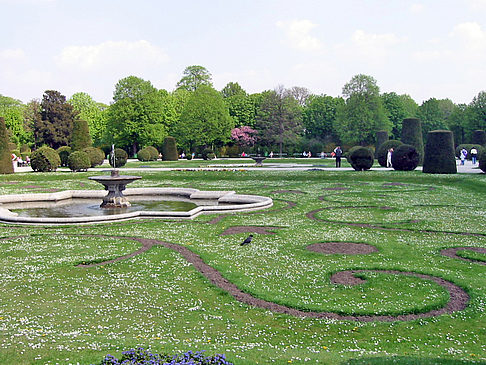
338	152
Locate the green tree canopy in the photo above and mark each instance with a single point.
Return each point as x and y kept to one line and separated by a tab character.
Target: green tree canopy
279	119
477	113
232	89
92	112
12	111
55	125
194	76
204	120
319	115
137	115
363	114
432	116
397	108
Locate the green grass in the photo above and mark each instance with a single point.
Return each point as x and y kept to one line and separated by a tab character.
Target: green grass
53	312
472	255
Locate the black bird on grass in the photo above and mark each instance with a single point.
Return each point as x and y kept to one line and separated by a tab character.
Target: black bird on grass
247	240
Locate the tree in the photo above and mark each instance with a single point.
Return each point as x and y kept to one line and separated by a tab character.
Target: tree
432	116
204	120
279	119
363	114
319	115
194	76
244	136
232	89
301	94
56	120
137	115
92	112
12	111
398	107
477	113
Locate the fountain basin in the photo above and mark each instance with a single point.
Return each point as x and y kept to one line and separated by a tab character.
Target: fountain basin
208	202
115	184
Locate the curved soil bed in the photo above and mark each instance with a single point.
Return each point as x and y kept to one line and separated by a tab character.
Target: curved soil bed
345	248
452	252
249	229
312	215
458	297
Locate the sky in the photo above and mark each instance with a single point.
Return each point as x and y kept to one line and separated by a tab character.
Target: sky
423	48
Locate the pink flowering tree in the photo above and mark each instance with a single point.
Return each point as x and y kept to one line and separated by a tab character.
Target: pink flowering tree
244	136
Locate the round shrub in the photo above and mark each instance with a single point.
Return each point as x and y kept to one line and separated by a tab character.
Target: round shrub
482	160
121	158
405	158
154	154
479	137
64	153
412	135
169	149
189	156
143	155
79	161
439	153
45	159
382	151
360	158
96	156
208	154
381	137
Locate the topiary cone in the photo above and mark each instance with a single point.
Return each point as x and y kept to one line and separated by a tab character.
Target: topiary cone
439	155
381	137
412	135
6	165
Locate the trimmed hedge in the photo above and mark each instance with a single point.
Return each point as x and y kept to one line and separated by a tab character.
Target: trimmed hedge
45	159
208	154
360	158
121	158
439	155
382	151
154	154
80	138
6	165
479	137
482	160
405	158
79	161
412	135
96	156
143	155
169	149
468	148
64	152
381	137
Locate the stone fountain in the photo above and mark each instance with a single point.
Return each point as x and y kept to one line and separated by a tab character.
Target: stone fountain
115	184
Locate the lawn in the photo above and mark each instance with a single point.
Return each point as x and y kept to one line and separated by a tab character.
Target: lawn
54	312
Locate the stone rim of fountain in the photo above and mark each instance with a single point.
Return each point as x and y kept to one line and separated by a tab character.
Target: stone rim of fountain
233	203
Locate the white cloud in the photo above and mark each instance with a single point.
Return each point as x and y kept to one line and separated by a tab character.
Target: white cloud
374	47
298	34
477	4
471	33
122	54
417	8
16	54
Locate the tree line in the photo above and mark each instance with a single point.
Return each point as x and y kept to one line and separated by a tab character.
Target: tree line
283	120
